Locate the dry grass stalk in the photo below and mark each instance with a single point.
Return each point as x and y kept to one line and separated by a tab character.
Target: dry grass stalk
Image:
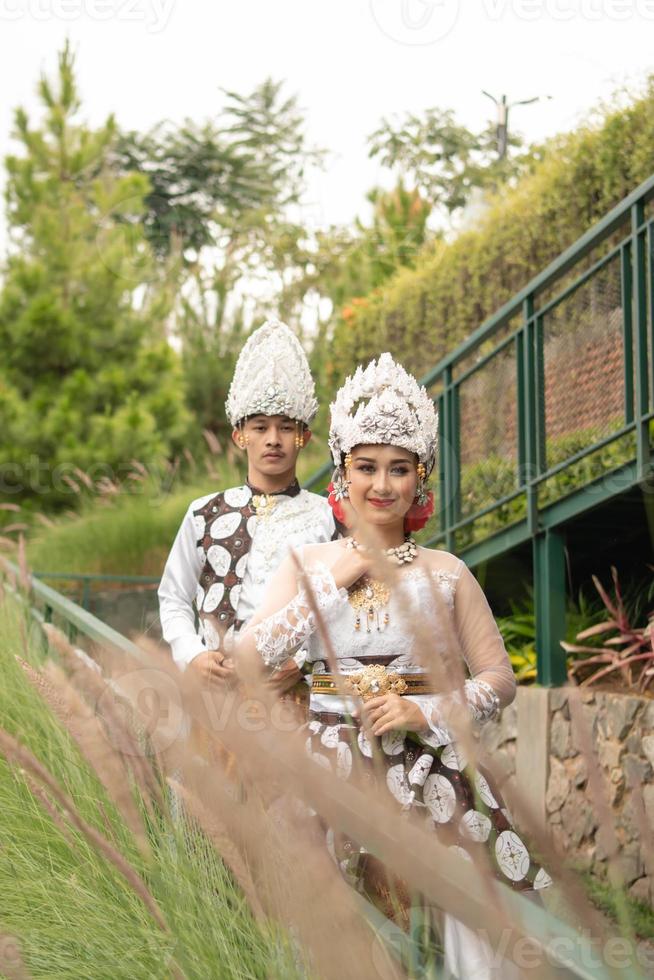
44	520
24	577
95	744
212	442
223	844
290	873
75	487
17	753
12	507
84	477
96	690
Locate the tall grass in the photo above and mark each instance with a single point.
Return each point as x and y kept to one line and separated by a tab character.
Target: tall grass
71	911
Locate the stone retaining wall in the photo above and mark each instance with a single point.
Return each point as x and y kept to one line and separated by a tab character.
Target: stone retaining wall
621	731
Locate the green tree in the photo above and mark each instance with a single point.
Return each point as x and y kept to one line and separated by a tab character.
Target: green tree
445	160
87	378
209	179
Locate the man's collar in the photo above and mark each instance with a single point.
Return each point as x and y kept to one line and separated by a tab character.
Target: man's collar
292	490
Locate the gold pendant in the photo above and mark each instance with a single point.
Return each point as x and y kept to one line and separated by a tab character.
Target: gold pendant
263	504
370	597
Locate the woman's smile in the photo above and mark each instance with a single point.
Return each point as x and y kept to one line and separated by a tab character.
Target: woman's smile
381	501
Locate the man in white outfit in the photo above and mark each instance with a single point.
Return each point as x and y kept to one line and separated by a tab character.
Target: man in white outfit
230	542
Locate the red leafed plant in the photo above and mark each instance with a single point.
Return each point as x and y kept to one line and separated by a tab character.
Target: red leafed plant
630	650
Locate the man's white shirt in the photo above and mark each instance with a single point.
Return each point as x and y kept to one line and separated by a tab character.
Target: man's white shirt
294	521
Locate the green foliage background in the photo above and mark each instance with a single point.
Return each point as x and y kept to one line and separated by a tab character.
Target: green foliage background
423	312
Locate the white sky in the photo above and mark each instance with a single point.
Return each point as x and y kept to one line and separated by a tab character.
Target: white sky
350	62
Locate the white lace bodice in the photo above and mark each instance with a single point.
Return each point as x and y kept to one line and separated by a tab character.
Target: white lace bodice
279	635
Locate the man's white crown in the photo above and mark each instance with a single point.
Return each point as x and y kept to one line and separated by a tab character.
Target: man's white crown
384	405
272	377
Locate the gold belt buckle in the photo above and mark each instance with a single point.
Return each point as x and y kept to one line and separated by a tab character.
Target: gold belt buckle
374	681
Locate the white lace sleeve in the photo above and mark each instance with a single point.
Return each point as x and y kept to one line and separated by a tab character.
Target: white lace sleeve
280	634
479	698
491	685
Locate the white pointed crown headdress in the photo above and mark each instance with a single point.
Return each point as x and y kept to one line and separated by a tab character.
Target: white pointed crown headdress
272	377
383	404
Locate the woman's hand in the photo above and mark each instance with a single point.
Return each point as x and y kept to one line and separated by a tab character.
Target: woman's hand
392	713
351	564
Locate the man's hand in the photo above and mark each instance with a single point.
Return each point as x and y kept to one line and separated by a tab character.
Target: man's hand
392	713
213	666
285	677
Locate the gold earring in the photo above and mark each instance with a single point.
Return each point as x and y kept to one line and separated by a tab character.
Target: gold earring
348	463
421	489
298	436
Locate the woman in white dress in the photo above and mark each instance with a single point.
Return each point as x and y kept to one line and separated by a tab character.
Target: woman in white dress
383	438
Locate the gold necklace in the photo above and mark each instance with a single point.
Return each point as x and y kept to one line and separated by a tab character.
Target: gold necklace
370	596
264	504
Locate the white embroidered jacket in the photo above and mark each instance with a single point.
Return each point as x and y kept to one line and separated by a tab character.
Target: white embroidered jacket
293	522
445	600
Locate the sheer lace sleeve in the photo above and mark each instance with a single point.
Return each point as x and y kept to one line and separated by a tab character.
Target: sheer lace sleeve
491	685
283	626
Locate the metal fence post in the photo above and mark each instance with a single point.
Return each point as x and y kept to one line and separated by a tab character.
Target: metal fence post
549	596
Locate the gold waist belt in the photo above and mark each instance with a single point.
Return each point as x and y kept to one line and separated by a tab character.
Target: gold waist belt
373	681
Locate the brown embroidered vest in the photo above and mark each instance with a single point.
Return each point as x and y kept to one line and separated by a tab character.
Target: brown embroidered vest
225	528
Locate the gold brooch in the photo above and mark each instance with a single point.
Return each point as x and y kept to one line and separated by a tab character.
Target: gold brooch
263	504
373	681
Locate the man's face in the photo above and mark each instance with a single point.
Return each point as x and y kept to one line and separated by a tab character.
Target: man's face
270	443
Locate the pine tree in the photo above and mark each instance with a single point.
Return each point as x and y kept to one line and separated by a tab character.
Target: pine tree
87	377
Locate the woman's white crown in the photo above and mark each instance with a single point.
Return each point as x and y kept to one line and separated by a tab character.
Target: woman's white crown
383	404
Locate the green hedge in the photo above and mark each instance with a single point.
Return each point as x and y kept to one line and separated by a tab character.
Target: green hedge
423	313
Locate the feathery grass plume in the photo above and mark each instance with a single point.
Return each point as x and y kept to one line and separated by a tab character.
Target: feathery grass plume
18	754
7	542
16	526
97	747
110	708
290	872
44	520
56	815
75	487
138	465
190	459
11	961
213	442
223	844
24	577
84	477
12	507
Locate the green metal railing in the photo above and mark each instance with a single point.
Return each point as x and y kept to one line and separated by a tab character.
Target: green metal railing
86	581
506	387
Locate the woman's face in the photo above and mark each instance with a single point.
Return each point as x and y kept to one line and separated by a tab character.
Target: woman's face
383	483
